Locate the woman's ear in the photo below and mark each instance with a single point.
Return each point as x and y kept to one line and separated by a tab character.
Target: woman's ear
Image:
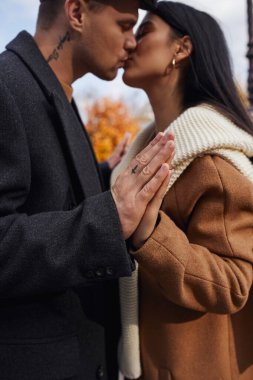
75	11
184	49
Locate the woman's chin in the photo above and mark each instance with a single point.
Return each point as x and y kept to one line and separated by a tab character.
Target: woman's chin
130	80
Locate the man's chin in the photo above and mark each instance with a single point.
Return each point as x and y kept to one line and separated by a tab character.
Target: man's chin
108	76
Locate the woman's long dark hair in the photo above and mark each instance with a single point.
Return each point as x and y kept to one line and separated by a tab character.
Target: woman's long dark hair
209	77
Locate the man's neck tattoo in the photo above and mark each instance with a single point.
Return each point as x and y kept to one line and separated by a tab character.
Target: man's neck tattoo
56	52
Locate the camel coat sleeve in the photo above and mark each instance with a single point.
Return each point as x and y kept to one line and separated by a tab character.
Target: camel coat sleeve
201	253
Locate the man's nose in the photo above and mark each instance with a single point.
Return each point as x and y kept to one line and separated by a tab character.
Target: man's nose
131	42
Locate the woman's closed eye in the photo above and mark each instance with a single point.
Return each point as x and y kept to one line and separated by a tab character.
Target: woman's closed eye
144	29
141	32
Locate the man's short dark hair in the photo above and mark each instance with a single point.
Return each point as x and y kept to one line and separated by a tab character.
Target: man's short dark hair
144	4
49	9
148	5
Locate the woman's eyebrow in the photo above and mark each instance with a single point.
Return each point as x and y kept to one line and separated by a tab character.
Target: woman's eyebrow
143	25
148	22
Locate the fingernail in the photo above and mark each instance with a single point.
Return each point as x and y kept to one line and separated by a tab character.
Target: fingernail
164	139
171	144
157	138
165	168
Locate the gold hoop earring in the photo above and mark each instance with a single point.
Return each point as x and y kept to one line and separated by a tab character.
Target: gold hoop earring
174	63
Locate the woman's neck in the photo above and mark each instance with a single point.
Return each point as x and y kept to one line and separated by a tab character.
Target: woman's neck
167	104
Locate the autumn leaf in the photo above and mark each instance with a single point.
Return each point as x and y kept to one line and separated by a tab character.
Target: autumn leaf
108	121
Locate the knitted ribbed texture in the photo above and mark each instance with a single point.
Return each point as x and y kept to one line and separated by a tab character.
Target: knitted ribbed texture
128	352
198	131
202	130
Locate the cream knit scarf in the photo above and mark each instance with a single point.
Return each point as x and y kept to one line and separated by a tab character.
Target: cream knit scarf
198	131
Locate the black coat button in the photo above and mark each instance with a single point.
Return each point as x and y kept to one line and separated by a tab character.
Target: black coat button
99	273
109	271
89	274
100	373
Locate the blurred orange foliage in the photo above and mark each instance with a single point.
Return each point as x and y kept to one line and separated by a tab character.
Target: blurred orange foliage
107	123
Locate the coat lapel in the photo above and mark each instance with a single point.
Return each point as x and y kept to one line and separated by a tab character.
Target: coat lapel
80	150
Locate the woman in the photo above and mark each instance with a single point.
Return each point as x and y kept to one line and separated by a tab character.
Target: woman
195	255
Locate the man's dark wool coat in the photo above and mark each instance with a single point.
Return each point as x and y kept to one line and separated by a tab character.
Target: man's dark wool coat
61	246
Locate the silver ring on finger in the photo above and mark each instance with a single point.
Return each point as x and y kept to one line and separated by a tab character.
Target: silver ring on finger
142	159
146	170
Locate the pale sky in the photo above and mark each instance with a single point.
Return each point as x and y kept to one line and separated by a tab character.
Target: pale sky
16	15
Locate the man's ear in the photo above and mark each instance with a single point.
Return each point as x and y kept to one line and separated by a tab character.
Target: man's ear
184	49
75	11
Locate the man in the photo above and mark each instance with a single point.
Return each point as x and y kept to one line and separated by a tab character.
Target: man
60	236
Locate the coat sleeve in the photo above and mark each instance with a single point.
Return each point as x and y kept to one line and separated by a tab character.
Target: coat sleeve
206	265
50	251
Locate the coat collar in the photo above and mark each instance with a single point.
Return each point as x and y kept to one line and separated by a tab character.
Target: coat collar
200	130
26	49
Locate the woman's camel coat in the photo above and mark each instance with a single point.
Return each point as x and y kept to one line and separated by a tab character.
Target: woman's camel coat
196	306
